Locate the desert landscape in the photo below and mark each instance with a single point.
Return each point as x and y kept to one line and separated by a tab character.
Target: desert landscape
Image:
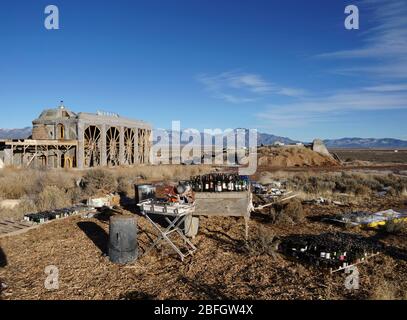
203	158
225	266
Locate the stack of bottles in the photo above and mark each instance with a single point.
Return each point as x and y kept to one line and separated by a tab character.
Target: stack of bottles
333	250
45	216
220	182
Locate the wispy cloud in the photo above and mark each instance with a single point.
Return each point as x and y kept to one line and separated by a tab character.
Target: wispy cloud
381	59
384	46
388	87
236	87
327	108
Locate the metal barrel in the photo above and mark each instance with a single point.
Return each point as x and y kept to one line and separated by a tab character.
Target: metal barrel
123	247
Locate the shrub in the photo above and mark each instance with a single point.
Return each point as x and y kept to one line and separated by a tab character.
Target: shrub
75	195
126	186
282	219
264	242
393	227
99	181
289	214
15	184
384	291
362	190
295	211
26	206
52	198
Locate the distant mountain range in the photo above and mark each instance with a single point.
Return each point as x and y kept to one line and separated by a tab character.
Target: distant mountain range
368	143
267	139
264	139
15	133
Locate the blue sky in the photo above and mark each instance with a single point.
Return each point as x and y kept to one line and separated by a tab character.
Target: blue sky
284	67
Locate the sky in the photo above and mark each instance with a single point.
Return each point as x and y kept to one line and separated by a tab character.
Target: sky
286	67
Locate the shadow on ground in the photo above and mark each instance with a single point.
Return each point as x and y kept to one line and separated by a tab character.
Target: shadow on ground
3	263
208	291
227	242
3	259
136	295
97	234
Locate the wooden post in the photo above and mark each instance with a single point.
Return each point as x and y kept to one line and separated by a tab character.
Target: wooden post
121	146
103	147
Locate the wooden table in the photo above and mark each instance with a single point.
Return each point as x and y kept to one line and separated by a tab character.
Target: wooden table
225	204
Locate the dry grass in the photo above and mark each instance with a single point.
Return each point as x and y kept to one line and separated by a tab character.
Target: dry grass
385	290
50	189
99	182
126	178
17	183
263	243
378	156
393	227
26	206
335	184
52	197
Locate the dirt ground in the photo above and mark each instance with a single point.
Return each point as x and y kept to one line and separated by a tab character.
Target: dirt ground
293	156
372	155
221	269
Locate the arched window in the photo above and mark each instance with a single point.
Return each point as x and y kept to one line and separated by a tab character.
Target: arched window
60	131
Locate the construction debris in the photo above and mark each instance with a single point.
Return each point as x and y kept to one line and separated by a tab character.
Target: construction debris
109	201
384	191
323	201
272	193
369	220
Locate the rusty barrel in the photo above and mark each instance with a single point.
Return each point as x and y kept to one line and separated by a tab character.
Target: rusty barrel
123	247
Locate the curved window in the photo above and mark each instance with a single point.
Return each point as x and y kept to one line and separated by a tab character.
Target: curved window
60	131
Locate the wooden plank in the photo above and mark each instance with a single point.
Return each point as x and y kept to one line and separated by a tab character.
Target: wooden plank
354	264
9	226
227	204
14	233
42	143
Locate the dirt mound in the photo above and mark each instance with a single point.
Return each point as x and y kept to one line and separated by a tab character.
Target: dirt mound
296	156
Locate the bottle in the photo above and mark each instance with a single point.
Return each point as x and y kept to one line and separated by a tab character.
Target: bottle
230	183
200	185
245	184
211	184
218	184
206	182
224	184
239	184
